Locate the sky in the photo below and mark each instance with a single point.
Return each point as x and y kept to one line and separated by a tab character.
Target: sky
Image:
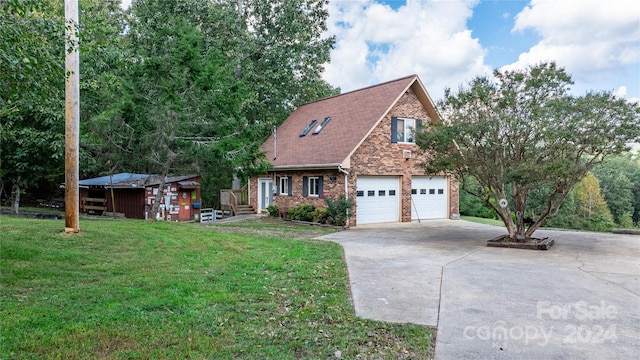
449	42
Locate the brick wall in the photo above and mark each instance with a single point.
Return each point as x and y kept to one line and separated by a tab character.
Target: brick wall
378	156
333	184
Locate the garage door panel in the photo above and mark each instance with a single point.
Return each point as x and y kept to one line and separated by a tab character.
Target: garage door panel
430	198
377	200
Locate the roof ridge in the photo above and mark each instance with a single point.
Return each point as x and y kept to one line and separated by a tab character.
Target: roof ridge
361	89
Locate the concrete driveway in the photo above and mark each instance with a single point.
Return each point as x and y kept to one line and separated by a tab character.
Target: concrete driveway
578	300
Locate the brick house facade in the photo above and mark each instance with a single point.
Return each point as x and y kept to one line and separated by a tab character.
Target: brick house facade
363	145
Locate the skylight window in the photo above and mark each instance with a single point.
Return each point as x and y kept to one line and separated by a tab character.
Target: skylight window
322	125
308	128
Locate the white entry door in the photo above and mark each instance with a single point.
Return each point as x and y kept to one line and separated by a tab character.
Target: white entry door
429	197
377	199
265	197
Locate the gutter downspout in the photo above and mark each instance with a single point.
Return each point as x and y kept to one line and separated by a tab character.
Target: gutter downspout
346	189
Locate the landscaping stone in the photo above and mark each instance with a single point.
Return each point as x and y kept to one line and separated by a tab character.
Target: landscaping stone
626	231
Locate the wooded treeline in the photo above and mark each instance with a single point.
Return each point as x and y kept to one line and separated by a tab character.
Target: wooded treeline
607	197
170	86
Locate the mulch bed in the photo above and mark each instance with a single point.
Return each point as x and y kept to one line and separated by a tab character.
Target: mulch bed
530	244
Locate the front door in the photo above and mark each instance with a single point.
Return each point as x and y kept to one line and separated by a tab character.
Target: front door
265	197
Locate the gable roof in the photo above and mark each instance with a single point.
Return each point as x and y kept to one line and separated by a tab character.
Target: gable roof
353	116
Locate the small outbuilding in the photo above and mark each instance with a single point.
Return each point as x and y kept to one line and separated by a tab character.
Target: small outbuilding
133	195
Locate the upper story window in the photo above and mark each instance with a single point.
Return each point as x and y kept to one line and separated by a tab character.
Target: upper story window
403	130
306	130
406	130
321	126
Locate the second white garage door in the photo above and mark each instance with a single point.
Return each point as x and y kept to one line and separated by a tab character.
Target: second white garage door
377	199
429	197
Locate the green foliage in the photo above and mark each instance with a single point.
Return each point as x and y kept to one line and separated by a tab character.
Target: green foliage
31	94
163	85
619	178
273	210
320	216
522	132
574	212
31	55
281	52
471	205
589	199
161	290
471	200
199	84
625	221
338	209
598	222
303	212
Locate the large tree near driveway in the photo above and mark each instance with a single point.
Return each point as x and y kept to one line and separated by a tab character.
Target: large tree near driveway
521	133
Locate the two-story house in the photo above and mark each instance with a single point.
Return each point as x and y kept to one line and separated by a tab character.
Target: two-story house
360	143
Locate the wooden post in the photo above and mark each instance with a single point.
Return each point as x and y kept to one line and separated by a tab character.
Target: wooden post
72	117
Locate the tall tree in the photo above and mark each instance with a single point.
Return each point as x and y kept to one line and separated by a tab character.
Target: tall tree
282	55
184	103
103	61
31	94
208	80
589	198
523	131
619	179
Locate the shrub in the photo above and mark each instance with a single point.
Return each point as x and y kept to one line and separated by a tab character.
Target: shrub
302	212
599	223
337	209
320	216
273	210
473	206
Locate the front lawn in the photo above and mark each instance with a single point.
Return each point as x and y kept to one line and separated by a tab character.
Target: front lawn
135	289
483	220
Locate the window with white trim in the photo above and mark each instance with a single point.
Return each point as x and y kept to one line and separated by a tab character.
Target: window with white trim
314	186
284	185
403	130
406	130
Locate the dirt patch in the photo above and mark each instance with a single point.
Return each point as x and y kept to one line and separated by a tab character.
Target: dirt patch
273	228
33	214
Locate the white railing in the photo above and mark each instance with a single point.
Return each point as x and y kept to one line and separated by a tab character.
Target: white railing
211	215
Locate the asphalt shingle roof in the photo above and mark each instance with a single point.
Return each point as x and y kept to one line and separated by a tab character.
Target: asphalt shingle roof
353	115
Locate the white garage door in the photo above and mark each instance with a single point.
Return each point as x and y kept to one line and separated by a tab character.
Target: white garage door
429	198
377	200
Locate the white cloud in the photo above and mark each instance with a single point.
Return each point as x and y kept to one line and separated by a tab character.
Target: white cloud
621	92
376	43
593	39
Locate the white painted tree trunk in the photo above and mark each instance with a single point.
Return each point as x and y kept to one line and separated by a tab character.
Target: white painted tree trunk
15	199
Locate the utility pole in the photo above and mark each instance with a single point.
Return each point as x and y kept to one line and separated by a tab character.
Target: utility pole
72	118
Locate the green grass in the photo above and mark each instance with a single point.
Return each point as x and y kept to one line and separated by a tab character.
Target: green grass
483	220
149	290
271	227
